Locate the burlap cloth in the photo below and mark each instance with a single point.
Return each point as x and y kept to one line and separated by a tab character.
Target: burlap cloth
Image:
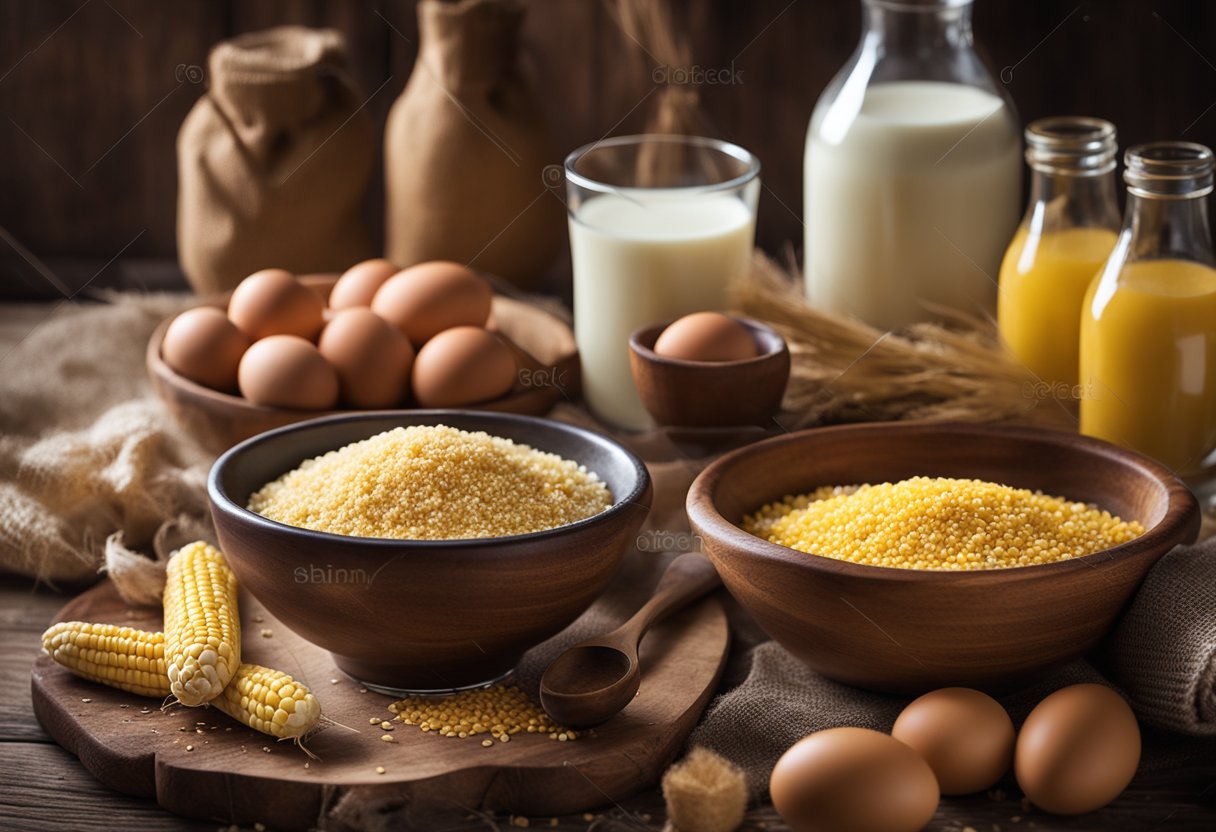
91	468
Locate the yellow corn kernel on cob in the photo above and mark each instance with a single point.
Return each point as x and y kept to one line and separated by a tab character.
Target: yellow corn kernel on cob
121	657
202	624
133	660
269	701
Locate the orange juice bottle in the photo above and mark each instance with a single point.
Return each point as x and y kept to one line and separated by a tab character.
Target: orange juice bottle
1148	329
1068	232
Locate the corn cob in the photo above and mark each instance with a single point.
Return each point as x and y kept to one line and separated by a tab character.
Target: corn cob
133	660
269	701
202	624
121	657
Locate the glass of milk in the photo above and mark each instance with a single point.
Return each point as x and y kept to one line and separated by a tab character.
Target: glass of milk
659	228
913	171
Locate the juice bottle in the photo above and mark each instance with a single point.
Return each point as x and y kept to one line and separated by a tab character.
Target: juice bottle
1148	328
1068	232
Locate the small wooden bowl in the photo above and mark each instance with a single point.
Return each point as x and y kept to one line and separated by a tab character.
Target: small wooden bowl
544	349
424	615
711	394
906	631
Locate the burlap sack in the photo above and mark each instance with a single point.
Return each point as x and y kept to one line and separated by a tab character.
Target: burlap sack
91	466
466	147
274	161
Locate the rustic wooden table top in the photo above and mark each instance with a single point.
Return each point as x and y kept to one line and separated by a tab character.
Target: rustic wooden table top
45	788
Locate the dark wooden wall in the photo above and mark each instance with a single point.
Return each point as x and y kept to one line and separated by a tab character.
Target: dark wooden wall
92	91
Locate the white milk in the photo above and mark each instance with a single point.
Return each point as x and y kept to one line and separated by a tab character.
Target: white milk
913	199
641	262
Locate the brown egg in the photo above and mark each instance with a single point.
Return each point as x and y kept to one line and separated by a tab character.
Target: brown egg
287	371
371	356
204	346
965	736
273	302
463	365
426	299
358	284
853	780
1078	750
706	336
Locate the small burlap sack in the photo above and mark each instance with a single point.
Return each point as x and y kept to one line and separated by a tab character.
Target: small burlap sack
466	147
91	466
274	161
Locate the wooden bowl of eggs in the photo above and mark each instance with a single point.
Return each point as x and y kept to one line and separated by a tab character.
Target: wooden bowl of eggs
908	630
710	371
279	349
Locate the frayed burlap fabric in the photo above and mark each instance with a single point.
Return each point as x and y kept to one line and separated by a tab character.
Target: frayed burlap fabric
91	467
274	161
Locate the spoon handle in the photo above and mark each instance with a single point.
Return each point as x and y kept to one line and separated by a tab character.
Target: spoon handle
688	577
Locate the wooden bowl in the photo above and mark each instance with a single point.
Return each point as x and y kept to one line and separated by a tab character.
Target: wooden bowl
543	344
711	394
435	615
905	631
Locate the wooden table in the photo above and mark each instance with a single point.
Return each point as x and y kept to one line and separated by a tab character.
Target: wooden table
42	787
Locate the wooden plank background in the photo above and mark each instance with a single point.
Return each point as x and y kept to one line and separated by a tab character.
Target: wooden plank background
92	92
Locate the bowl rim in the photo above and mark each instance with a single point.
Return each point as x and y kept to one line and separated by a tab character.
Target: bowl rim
221	501
1179	524
649	355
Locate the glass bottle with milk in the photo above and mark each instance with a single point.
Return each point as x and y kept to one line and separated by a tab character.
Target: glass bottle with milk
659	227
912	172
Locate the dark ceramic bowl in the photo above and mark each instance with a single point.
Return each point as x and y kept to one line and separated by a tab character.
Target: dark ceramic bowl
907	631
408	615
711	394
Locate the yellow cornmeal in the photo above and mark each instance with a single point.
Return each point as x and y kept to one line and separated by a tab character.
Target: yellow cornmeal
499	710
433	483
940	524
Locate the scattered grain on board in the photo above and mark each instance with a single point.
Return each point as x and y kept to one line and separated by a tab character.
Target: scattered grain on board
499	710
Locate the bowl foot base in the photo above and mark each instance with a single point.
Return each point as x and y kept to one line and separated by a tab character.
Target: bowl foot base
430	690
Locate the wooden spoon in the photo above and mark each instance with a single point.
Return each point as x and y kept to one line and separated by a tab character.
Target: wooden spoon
594	680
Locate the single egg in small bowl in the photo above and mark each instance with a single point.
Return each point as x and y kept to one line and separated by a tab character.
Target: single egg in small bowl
428	549
709	373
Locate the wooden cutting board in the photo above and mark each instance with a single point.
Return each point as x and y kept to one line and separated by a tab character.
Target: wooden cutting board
235	775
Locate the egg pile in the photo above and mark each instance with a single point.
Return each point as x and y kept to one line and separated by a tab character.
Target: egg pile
388	337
